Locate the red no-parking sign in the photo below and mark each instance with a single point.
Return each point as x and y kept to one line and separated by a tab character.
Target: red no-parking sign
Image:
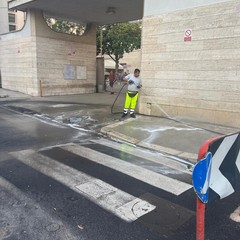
188	35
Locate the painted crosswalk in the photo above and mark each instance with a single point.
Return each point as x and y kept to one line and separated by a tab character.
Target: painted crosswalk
157	180
122	204
67	164
159	158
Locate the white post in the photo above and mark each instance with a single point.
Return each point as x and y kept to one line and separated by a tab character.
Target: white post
101	40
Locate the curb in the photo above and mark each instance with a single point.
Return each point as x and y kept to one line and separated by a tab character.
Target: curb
111	133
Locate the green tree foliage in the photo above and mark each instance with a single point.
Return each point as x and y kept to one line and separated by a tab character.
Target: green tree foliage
118	39
65	26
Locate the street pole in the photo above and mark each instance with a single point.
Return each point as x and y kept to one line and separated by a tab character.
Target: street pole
101	40
200	208
200	221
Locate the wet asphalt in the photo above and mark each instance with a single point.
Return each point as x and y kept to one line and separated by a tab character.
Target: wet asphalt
36	206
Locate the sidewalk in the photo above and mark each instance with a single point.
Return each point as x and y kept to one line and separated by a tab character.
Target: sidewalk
165	135
7	94
181	139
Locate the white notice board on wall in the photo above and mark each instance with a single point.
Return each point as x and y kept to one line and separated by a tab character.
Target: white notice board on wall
69	72
81	72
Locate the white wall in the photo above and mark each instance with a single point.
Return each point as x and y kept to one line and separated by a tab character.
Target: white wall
38	54
199	79
56	50
155	7
18	60
3	16
133	60
20	17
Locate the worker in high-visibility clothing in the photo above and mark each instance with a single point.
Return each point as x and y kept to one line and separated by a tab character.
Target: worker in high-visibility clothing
134	84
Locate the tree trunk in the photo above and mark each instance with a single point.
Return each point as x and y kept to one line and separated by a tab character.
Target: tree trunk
116	66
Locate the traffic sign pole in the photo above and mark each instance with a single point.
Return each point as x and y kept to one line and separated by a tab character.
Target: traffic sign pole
211	172
200	209
200	231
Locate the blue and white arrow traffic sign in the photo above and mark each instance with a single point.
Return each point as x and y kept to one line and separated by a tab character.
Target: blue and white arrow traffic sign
201	177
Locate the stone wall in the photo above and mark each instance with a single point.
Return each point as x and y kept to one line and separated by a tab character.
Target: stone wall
56	52
18	61
133	60
18	66
20	18
156	7
38	61
4	28
198	79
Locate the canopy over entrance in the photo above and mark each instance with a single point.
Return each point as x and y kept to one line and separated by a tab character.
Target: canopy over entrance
87	11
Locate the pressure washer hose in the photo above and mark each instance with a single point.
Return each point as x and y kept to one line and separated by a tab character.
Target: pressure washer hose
167	116
125	84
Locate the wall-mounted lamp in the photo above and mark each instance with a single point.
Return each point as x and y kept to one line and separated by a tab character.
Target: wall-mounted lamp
111	10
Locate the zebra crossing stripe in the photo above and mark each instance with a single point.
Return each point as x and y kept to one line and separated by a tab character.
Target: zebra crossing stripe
169	161
155	179
108	197
122	204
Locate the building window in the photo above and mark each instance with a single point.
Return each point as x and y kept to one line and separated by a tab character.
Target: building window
12	27
12	18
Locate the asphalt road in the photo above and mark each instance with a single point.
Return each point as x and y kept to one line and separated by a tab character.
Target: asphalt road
59	181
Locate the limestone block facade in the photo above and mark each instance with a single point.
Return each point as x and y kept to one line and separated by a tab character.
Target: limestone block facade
18	61
199	79
132	59
38	61
4	26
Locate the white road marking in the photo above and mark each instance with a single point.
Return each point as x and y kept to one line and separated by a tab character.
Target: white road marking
100	191
235	216
157	180
157	157
96	188
112	199
135	209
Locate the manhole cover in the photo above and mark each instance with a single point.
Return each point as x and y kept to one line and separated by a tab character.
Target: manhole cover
52	227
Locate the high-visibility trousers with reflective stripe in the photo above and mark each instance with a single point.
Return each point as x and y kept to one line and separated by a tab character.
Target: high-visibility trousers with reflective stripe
131	101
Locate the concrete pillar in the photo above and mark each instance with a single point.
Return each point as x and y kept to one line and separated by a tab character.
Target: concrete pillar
100	74
4	25
0	79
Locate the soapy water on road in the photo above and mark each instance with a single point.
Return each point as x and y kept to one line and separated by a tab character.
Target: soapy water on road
154	132
155	154
88	126
83	123
63	105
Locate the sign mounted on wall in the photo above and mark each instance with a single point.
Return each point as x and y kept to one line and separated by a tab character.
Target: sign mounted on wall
188	35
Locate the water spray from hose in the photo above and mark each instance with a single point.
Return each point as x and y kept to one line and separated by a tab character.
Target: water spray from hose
166	115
